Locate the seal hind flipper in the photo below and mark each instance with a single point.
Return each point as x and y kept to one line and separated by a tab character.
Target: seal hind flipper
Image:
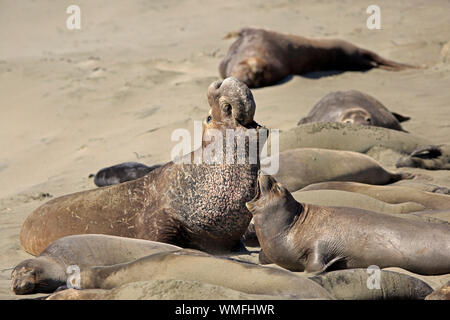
399	117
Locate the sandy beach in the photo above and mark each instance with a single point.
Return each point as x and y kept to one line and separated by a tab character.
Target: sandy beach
76	101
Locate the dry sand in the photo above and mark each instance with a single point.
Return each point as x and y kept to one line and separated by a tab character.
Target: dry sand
73	102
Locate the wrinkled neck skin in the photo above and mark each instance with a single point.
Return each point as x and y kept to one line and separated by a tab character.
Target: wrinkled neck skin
210	199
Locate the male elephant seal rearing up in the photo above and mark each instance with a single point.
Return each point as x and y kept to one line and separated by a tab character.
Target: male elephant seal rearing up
194	205
304	237
353	107
262	57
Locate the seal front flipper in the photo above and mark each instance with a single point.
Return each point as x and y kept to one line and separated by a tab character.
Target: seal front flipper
263	258
316	265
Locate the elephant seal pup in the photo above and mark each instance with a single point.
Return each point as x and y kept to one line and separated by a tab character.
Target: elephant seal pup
122	172
190	202
347	136
304	237
262	57
353	107
192	265
358	284
47	272
431	157
389	194
304	166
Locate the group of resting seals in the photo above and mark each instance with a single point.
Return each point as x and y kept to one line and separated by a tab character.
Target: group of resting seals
109	262
208	207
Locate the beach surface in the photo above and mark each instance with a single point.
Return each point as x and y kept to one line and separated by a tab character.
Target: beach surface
76	101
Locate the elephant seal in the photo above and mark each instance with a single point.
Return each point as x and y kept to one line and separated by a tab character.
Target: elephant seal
347	136
339	198
193	265
304	166
389	194
442	293
48	271
193	202
122	172
262	57
353	107
356	284
430	157
311	238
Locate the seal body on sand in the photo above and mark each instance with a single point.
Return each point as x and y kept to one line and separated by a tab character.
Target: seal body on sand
188	202
432	157
389	194
353	284
47	272
192	265
350	137
353	107
304	166
122	172
262	57
339	198
312	238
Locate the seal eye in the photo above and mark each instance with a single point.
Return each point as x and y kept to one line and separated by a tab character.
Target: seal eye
208	120
348	121
369	120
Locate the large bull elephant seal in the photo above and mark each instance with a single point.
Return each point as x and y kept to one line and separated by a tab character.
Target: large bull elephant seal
311	238
262	57
304	166
353	107
192	265
189	202
48	271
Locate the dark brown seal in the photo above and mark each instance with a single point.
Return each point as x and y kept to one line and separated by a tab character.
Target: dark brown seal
195	205
353	107
262	57
304	237
430	157
122	172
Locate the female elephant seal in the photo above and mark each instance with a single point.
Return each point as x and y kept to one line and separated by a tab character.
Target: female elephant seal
353	107
48	271
389	194
193	265
304	237
361	284
261	57
189	202
301	167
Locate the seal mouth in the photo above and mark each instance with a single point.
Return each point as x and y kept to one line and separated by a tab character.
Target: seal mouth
264	185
